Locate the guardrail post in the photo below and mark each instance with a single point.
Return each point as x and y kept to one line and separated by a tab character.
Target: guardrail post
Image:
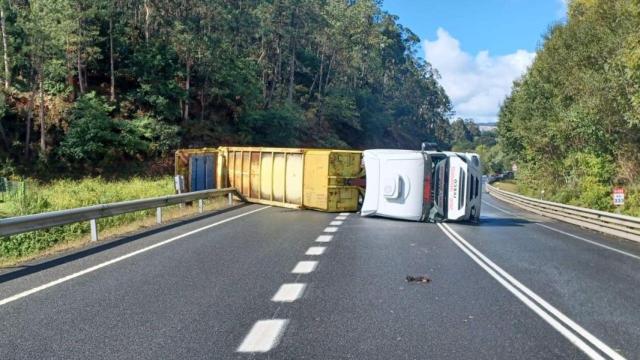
94	230
200	206
230	196
159	215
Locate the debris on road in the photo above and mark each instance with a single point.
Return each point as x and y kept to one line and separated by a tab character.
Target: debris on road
419	279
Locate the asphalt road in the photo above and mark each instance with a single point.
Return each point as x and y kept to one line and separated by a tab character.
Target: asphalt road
260	282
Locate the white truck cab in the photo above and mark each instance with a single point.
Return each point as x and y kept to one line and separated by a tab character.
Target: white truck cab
422	185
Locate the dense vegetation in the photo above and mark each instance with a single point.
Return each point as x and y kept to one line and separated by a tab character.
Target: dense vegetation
573	121
92	85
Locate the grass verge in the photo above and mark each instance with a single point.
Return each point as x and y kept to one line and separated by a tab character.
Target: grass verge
76	241
66	194
506	185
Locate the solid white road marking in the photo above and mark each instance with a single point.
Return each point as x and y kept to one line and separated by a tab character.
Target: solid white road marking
315	250
499	208
341	217
120	258
574	236
590	241
304	267
521	292
335	223
289	292
330	229
263	336
324	238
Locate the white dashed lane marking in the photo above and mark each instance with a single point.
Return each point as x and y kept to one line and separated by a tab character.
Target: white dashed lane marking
304	267
264	335
316	250
289	292
324	238
345	214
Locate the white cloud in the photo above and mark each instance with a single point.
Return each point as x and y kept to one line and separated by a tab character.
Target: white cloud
476	84
562	8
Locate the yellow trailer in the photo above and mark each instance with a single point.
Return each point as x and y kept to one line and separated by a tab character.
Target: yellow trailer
295	178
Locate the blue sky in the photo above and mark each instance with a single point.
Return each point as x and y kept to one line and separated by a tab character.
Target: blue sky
479	47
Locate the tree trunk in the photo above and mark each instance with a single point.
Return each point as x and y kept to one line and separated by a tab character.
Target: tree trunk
321	72
3	136
27	138
292	71
278	70
112	74
147	16
79	59
202	98
292	64
328	75
80	82
187	86
43	145
7	71
70	78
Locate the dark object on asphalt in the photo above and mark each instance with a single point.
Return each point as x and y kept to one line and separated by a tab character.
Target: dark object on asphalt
418	279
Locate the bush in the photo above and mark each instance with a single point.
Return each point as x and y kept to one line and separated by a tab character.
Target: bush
272	127
94	137
594	195
160	136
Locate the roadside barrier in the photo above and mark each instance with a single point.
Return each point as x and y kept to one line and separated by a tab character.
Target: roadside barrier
27	223
627	227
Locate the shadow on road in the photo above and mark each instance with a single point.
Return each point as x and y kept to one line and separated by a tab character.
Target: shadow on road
502	222
43	264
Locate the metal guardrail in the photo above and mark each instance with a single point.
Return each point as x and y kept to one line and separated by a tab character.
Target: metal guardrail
27	223
627	227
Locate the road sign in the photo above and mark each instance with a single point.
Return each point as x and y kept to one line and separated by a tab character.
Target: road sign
514	167
618	196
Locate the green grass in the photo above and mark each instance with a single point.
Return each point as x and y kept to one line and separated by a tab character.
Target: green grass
506	185
66	194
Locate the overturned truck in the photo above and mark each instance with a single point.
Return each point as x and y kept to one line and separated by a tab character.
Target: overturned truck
400	184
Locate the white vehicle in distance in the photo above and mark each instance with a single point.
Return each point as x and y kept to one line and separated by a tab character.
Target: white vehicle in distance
422	185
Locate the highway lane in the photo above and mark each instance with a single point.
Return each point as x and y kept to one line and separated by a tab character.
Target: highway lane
361	307
192	298
201	295
595	286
